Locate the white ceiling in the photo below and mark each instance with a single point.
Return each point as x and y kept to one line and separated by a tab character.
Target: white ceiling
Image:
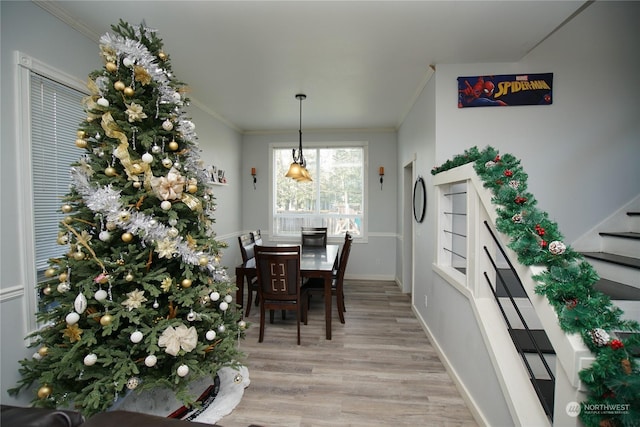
361	63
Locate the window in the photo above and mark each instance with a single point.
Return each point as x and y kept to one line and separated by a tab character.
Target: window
335	199
56	113
49	114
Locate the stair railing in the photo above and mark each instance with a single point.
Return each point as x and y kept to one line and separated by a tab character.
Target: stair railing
538	351
461	262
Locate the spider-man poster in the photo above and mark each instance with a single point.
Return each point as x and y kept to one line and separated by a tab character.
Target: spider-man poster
504	90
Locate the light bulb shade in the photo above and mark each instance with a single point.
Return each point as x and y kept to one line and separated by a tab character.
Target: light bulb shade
305	176
295	171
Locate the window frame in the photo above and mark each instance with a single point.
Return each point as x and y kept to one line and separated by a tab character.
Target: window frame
363	237
25	65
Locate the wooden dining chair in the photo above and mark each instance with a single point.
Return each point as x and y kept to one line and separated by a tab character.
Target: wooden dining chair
314	236
278	269
247	252
315	286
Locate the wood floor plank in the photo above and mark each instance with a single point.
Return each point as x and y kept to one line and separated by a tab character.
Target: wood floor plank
378	370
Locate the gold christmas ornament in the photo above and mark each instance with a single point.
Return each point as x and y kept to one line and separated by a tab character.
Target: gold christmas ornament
186	283
192	188
110	171
119	85
128	91
66	208
43	351
50	272
68	219
173	146
111	67
47	290
162	56
203	261
81	134
62	277
129	277
106	320
81	143
78	255
44	392
127	237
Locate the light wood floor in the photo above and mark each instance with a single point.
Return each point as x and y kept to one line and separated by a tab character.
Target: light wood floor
378	370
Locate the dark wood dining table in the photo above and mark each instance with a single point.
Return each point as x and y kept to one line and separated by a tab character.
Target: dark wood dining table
315	261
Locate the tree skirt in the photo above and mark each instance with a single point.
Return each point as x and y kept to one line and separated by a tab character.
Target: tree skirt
217	400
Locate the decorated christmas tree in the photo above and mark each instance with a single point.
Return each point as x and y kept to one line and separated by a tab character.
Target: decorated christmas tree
139	300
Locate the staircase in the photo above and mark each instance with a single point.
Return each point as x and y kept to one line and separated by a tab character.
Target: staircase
618	264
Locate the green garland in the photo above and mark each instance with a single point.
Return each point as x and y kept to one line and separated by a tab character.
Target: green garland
613	380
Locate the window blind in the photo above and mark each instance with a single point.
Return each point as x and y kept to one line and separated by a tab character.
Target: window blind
56	113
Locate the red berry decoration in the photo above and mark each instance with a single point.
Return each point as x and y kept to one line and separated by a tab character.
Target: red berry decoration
608	394
508	172
571	304
616	344
543	243
520	200
497	159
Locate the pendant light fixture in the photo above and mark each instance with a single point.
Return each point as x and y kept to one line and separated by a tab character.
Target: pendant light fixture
298	168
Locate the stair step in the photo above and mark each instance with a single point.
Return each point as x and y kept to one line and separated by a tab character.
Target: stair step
623	234
617	291
547	389
511	283
521	338
614	259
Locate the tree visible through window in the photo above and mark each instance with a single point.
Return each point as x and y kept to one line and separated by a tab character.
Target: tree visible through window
334	199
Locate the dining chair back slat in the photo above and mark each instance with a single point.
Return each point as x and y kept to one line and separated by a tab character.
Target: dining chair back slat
314	236
278	270
257	237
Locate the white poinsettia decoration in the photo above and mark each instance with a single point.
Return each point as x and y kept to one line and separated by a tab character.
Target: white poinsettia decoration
135	113
166	248
181	337
134	299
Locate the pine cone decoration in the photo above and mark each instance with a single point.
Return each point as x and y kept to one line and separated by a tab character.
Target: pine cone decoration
557	247
600	337
607	423
626	366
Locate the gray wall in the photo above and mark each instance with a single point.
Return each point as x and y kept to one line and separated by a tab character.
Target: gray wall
581	154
